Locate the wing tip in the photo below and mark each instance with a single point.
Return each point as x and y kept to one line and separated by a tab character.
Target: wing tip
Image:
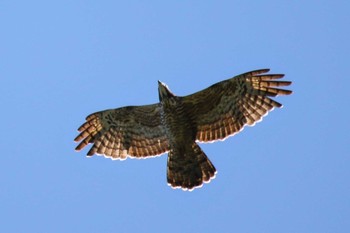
79	147
284	92
258	71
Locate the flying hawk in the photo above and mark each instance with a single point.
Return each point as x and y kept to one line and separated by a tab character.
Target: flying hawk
176	124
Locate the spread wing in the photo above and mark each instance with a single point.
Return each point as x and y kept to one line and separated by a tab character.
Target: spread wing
224	108
134	131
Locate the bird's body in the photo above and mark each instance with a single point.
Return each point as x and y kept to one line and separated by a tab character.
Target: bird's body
188	166
176	124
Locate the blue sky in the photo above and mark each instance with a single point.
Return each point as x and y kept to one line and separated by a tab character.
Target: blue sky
62	60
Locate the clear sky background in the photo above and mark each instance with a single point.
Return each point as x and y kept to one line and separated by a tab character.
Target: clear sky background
62	60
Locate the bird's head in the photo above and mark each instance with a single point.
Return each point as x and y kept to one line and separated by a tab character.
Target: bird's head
164	91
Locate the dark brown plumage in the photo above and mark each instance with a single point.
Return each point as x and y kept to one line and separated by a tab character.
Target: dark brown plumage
175	124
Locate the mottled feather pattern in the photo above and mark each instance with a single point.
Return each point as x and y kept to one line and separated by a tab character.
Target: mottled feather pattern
190	168
223	109
114	135
175	124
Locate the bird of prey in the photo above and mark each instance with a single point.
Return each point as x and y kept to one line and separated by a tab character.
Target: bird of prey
177	123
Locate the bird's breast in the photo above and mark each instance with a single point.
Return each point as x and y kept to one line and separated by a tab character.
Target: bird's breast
177	124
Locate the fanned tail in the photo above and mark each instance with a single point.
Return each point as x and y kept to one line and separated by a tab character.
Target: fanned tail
189	168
